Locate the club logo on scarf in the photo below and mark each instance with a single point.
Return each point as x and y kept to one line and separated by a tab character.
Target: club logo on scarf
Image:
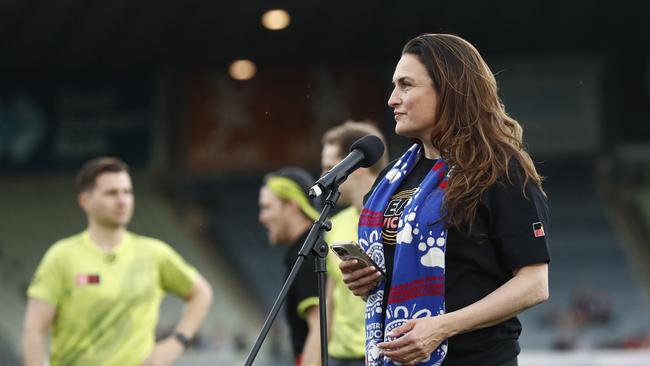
417	286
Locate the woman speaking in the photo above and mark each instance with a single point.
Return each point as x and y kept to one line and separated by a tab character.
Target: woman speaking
459	221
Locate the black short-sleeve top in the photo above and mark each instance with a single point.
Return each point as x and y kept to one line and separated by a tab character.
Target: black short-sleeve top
509	231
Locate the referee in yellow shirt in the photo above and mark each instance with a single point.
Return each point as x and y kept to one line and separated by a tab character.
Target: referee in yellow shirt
346	312
100	290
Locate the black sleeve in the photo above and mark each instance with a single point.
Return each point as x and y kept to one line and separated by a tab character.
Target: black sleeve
306	284
519	222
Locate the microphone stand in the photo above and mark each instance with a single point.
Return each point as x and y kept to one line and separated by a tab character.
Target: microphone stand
315	245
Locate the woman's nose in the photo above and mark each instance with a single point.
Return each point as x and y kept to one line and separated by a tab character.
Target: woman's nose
394	99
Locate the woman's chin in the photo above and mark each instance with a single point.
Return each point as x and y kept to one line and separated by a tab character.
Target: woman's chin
402	130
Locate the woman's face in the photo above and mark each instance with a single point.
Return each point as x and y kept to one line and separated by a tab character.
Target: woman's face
414	100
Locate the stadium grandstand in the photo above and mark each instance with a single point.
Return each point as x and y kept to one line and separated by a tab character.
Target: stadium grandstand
203	98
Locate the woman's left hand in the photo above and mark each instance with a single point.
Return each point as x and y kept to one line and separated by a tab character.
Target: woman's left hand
416	340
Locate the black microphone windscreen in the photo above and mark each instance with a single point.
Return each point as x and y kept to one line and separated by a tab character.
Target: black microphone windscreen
372	148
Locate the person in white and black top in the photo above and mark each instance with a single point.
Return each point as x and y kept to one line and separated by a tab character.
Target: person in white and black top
482	225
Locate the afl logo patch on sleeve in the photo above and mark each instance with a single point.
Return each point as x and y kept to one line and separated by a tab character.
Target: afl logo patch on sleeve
538	229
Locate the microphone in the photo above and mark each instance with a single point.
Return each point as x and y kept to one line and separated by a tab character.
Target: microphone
363	153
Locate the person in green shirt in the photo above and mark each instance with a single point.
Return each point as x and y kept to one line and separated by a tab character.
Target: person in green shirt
346	312
99	291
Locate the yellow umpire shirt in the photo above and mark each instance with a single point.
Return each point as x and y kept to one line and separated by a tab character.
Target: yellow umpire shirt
347	338
107	302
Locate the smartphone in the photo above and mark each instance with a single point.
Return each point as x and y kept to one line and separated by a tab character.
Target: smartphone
351	250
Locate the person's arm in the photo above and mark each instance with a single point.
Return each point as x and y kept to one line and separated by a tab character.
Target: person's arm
420	337
311	349
38	321
197	304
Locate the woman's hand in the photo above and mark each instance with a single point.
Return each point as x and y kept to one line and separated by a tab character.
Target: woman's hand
359	281
416	340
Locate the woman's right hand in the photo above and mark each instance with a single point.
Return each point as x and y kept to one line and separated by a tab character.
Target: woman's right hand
359	281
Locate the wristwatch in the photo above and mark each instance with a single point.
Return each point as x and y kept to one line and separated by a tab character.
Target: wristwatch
181	338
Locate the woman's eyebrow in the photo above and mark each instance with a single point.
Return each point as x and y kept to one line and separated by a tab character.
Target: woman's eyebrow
401	80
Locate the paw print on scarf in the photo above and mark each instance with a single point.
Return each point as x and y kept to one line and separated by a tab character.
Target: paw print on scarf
433	255
393	175
405	233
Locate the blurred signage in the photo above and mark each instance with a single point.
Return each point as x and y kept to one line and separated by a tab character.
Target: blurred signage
557	100
50	125
275	119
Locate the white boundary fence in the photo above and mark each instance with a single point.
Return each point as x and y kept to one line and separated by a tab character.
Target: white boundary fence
526	358
585	358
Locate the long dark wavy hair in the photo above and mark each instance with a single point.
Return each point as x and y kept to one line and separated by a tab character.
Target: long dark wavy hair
473	132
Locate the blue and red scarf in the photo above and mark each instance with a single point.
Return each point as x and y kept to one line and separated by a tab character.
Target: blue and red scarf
418	278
